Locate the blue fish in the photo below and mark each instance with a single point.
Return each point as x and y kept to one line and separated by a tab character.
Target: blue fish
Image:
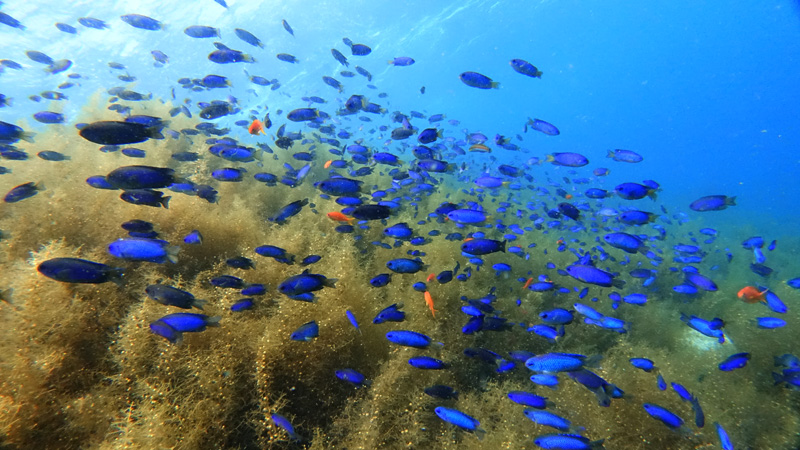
139	249
710	328
559	362
427	362
558	441
405	265
391	313
461	420
643	363
23	191
75	270
306	332
666	416
353	377
288	211
172	296
285	425
409	339
305	283
735	361
528	399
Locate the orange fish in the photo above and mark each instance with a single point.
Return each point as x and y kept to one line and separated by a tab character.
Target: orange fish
328	163
527	283
749	294
431	277
429	302
339	217
480	148
568	196
256	127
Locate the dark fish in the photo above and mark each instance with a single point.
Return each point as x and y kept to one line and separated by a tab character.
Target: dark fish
39	57
542	126
227	56
371	212
360	50
141	22
712	203
248	37
477	80
338	56
74	270
10	21
109	132
172	296
305	283
525	68
287	27
288	211
287	58
23	191
49	117
201	31
333	82
91	22
402	61
66	28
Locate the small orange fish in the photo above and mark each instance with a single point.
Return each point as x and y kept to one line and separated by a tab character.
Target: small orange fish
256	127
560	241
527	283
339	217
568	196
480	148
749	294
430	278
328	163
429	302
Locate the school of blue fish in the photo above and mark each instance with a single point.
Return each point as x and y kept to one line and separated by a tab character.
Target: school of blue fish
358	168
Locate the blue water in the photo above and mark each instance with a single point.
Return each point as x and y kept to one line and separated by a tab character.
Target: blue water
706	92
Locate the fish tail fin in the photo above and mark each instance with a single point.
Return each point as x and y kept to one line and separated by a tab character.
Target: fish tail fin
652	194
730	201
165	201
248	59
213	321
573	429
199	303
549	158
593	361
155	132
538	74
27	136
596	445
115	275
330	282
503	246
778	378
391	61
495	85
610	154
172	253
6	295
480	433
